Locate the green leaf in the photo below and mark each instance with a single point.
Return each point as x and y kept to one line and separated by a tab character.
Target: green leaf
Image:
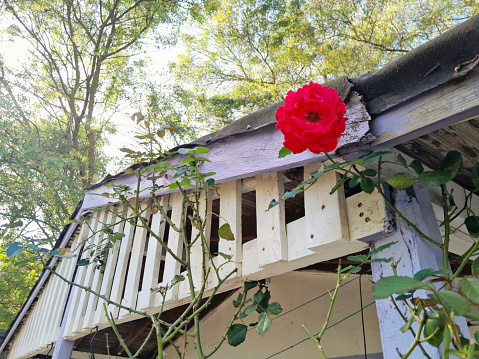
274	308
201	150
264	323
472	225
237	334
225	232
183	151
14	251
401	160
358	258
354	181
385	287
433	324
290	194
250	285
379	260
237	302
367	185
177	278
356	270
250	309
33	247
407	325
434	178
403	297
381	248
370	172
475	266
472	316
284	152
452	300
452	163
423	274
272	204
417	166
83	262
470	288
224	255
476	336
401	180
258	297
337	185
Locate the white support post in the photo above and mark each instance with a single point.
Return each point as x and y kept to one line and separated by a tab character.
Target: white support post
416	254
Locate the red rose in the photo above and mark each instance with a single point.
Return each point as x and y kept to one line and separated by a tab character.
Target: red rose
311	118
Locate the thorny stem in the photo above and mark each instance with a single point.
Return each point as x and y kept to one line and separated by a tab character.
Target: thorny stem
115	329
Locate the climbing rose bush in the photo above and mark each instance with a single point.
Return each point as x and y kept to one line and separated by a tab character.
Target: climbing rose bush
312	118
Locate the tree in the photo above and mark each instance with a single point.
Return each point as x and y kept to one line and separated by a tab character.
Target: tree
80	64
247	54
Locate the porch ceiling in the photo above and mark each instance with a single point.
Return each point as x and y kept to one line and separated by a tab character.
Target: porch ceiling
432	147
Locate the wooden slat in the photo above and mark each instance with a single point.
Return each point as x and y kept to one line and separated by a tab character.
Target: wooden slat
121	267
146	298
175	243
230	211
85	236
136	261
326	214
271	227
107	281
89	274
196	250
110	216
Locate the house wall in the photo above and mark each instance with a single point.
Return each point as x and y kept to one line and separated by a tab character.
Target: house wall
296	291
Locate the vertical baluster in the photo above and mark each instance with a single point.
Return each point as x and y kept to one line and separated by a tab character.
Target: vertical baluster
146	298
175	244
89	274
121	267
97	277
136	261
107	281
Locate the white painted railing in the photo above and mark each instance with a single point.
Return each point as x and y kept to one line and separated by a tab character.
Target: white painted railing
330	228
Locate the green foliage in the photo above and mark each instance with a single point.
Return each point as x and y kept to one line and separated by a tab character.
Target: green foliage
17	277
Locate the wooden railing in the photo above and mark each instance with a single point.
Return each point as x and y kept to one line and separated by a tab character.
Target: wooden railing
331	227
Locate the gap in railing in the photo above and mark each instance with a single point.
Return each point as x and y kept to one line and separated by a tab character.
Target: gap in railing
215	226
248	216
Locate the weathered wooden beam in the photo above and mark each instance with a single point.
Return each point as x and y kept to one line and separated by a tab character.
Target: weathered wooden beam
426	113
